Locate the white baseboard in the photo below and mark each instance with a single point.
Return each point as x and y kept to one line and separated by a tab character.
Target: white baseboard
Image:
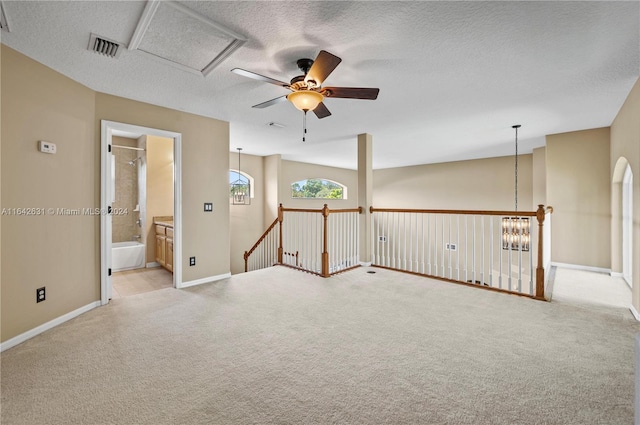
204	280
152	265
581	267
635	313
616	274
365	264
46	326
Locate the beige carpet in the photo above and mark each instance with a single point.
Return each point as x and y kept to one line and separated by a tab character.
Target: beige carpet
278	346
591	290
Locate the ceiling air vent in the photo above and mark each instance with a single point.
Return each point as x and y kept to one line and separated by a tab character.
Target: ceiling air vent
105	46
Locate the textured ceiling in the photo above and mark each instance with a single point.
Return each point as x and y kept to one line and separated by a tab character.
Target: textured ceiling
182	39
453	76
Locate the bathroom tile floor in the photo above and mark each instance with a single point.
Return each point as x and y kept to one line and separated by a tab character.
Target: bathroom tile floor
132	282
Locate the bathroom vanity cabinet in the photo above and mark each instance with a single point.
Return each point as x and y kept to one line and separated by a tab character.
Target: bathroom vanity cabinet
164	241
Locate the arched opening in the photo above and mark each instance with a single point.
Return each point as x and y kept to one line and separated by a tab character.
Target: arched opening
622	220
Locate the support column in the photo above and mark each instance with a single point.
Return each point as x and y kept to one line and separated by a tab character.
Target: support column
272	198
365	194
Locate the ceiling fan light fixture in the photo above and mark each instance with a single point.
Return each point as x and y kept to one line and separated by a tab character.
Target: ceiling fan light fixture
305	100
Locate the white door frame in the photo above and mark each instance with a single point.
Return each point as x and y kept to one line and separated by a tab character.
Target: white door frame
107	128
627	225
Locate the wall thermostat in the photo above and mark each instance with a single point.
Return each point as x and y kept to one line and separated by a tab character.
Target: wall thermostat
46	147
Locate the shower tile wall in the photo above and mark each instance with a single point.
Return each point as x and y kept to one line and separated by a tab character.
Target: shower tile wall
124	226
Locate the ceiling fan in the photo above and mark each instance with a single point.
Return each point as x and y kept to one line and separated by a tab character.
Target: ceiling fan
307	93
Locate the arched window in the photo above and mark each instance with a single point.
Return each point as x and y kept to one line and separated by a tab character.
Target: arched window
240	188
318	189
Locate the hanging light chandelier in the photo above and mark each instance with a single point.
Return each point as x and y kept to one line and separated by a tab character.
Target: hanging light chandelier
516	230
240	189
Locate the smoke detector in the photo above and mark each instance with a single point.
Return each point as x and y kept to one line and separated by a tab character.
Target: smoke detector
104	46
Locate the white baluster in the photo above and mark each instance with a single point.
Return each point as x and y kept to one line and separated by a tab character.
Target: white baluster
429	242
473	258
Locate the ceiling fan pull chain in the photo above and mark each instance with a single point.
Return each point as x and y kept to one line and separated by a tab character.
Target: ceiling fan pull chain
304	126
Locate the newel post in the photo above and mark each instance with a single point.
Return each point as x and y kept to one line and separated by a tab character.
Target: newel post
280	218
325	254
246	261
540	215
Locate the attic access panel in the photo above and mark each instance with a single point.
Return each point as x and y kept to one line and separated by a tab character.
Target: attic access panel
183	38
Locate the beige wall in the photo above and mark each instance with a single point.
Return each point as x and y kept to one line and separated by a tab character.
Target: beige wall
296	171
272	174
625	143
539	183
1	203
205	159
60	252
63	252
579	190
247	221
483	184
159	165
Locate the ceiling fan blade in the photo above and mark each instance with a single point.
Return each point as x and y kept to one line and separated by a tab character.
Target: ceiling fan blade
259	77
321	111
324	65
271	102
351	92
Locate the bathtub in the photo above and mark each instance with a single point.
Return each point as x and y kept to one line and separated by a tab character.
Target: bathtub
127	256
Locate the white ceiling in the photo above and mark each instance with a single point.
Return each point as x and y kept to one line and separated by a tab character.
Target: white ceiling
453	76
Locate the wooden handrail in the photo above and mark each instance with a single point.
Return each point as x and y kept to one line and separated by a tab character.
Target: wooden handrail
300	210
320	211
347	210
461	212
539	214
253	248
325	211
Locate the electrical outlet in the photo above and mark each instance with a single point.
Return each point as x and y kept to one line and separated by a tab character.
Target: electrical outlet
451	247
192	261
382	238
208	206
41	294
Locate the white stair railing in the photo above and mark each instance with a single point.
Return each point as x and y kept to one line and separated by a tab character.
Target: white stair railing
343	240
493	249
302	240
264	252
324	242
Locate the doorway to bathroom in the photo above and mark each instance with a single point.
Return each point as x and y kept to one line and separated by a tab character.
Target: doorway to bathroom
142	196
140	186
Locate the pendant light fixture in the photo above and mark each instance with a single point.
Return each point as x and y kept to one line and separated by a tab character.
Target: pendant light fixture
240	189
515	230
